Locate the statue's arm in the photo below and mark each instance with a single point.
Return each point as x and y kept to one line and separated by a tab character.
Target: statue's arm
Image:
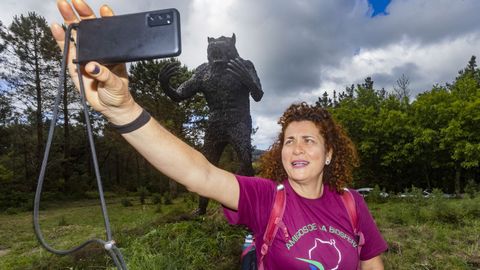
187	89
245	72
256	92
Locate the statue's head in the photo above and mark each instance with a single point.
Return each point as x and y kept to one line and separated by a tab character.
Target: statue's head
221	50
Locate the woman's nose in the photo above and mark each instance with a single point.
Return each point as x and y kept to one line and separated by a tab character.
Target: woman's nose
298	149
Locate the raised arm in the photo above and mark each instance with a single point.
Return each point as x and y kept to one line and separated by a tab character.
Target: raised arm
186	90
107	92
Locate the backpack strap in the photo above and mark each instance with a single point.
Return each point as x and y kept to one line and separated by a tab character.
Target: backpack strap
274	222
245	251
349	203
276	215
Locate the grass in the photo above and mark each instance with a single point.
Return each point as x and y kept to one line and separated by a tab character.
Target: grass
433	233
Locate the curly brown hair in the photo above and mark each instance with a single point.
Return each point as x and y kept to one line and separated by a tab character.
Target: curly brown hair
338	174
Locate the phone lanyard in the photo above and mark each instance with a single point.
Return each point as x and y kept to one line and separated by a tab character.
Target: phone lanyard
108	244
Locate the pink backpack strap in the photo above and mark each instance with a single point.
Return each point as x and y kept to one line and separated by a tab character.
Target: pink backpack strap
349	203
274	222
245	251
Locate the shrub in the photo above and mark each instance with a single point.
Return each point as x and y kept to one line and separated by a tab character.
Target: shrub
167	198
400	213
12	211
471	188
142	193
62	221
375	196
472	208
126	202
92	194
447	213
156	199
15	199
437	194
415	196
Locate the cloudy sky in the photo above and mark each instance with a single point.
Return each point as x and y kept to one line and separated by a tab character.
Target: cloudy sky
303	48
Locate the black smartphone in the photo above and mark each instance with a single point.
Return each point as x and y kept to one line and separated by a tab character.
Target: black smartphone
131	37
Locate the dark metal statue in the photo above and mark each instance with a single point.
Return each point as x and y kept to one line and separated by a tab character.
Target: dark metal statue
226	82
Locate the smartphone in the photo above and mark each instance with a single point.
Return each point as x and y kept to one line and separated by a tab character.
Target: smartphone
131	37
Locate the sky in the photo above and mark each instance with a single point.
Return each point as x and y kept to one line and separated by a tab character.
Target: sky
303	48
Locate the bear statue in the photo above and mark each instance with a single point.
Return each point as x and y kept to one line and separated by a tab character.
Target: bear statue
227	81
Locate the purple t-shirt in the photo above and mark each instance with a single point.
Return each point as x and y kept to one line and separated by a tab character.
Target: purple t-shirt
320	233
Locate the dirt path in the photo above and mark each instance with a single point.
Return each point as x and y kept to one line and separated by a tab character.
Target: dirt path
4	252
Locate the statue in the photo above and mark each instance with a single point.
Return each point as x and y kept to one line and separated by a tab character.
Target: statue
226	82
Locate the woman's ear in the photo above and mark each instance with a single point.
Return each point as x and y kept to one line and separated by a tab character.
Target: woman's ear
329	155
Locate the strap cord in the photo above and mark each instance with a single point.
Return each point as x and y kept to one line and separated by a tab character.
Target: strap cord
109	244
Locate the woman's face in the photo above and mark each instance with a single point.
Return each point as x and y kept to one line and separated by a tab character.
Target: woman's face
304	152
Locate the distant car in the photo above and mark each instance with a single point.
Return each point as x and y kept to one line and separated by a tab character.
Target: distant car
365	191
427	193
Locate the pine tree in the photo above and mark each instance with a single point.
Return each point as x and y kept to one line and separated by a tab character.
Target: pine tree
31	66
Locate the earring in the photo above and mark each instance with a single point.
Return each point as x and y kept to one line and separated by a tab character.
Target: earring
327	162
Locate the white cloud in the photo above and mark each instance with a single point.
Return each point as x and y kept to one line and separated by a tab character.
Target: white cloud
267	132
204	18
433	63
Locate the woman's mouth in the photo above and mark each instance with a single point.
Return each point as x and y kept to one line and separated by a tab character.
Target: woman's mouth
299	163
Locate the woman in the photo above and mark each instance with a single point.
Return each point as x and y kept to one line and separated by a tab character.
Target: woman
304	154
315	158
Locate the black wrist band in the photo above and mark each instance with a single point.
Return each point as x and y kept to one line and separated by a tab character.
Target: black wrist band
141	120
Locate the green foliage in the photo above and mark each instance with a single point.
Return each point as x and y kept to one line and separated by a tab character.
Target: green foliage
126	202
20	201
203	244
156	198
426	143
62	221
414	196
186	119
12	211
5	174
440	234
142	193
447	228
375	195
167	198
471	188
30	66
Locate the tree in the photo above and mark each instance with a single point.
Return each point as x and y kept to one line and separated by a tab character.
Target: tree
324	101
402	90
381	130
31	67
187	119
6	108
460	135
179	118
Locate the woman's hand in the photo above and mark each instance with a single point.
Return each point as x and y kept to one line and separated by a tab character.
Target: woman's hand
106	88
